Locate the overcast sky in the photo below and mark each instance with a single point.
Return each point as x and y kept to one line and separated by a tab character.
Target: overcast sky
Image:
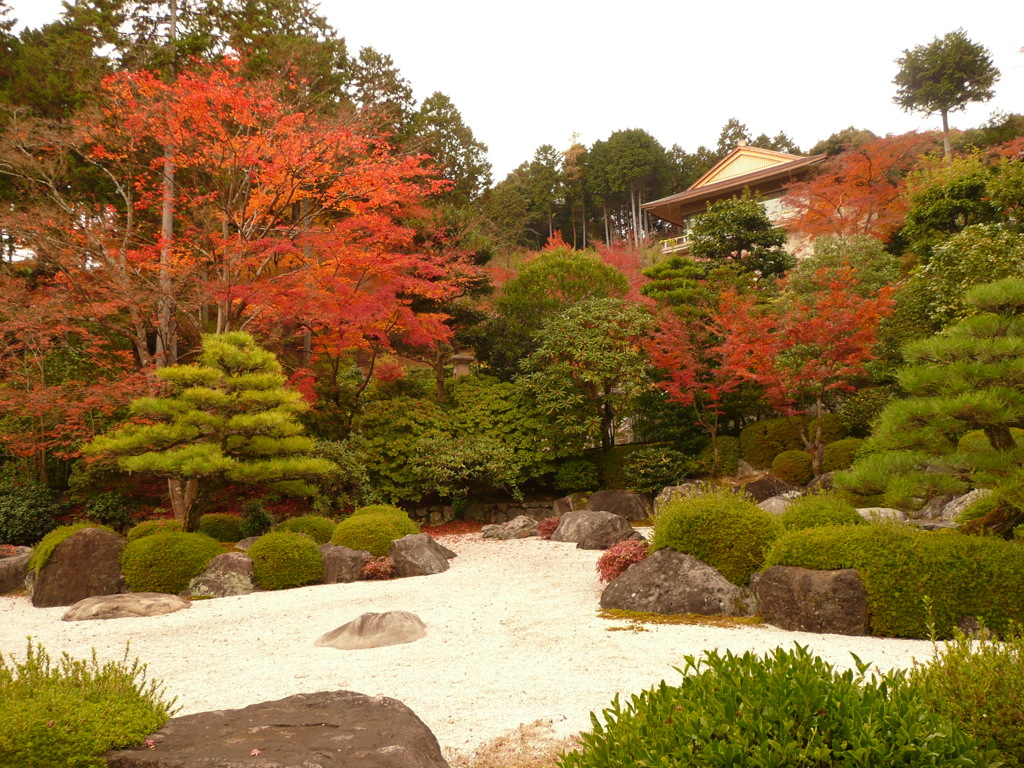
530	72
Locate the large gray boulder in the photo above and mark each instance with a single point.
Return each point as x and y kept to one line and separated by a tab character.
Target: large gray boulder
129	605
571	503
375	630
593	530
802	600
626	504
765	487
86	564
521	527
882	515
341	564
331	729
951	510
673	492
670	582
419	555
779	504
13	571
225	575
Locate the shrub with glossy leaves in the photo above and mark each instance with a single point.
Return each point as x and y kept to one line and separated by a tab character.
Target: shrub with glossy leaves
284	559
616	559
794	467
27	512
166	562
727	532
221	526
71	712
110	509
819	509
255	519
651	469
318	528
785	709
575	475
374	532
149	527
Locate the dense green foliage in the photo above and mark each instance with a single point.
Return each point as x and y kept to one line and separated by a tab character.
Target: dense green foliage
373	532
785	709
874	267
318	528
794	467
69	713
739	230
841	454
255	519
763	440
26	512
575	475
44	549
149	527
913	577
166	562
380	509
652	468
221	526
110	509
729	455
724	530
819	509
284	559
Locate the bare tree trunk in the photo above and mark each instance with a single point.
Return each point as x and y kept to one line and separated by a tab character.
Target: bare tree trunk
947	150
167	332
439	356
183	501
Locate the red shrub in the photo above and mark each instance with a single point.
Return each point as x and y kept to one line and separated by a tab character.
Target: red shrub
617	559
547	526
379	569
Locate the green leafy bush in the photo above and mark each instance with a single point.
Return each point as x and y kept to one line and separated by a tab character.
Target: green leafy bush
70	713
380	509
976	441
840	454
729	455
763	440
575	475
319	529
27	512
817	510
911	574
650	469
794	467
373	532
724	530
149	527
285	559
221	526
786	709
255	519
110	509
166	562
978	683
42	551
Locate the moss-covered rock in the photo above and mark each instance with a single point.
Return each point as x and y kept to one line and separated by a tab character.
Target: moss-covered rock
166	562
285	559
43	550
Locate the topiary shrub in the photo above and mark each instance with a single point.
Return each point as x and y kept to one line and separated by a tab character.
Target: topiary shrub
42	551
724	530
378	569
380	509
794	467
166	562
650	469
255	519
616	559
763	440
914	578
285	559
840	454
374	532
817	510
548	526
27	512
575	475
788	708
149	527
221	526
319	529
728	458
109	509
69	714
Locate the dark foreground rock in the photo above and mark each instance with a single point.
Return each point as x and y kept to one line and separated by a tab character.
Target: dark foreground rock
798	599
13	571
765	487
375	630
628	504
419	555
332	729
341	564
129	605
593	530
86	564
522	527
670	582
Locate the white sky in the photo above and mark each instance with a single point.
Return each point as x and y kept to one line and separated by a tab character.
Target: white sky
531	72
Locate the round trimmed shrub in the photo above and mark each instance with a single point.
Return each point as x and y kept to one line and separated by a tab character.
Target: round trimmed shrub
724	530
794	467
318	528
221	526
374	532
166	562
574	475
763	440
841	454
380	509
149	527
818	510
285	559
27	513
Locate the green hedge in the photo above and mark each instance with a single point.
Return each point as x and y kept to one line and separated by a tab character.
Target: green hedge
763	440
221	526
27	512
372	532
729	455
906	569
577	476
840	454
281	560
793	467
149	527
318	528
166	562
818	510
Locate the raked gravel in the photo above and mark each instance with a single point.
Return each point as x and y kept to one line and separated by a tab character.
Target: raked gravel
513	637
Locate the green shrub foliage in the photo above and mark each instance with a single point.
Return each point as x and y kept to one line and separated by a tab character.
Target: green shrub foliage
794	467
70	713
576	475
840	454
42	551
729	455
380	509
651	469
285	559
374	533
110	509
166	562
255	519
817	510
763	440
149	527
27	513
724	530
913	577
221	526
319	529
786	709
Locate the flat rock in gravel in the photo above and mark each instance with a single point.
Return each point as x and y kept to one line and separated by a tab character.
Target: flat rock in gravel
521	527
341	564
593	530
86	564
129	605
332	729
375	630
419	555
13	571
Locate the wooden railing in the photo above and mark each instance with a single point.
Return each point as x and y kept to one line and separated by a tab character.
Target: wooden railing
675	244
